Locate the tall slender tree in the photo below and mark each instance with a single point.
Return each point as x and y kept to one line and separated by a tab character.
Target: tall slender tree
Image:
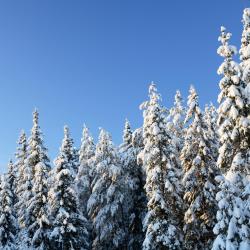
175	123
21	156
105	206
199	185
231	217
37	168
162	222
69	227
133	190
85	173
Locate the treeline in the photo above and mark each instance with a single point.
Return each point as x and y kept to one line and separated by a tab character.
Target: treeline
181	181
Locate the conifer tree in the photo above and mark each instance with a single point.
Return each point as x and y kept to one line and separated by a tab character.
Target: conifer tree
176	122
70	151
232	218
105	206
12	179
85	173
245	53
230	99
199	168
133	191
21	156
36	175
210	119
8	225
69	227
162	222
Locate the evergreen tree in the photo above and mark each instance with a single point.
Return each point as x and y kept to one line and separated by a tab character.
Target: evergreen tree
35	188
70	228
105	206
176	122
198	181
133	191
163	220
8	225
232	218
230	101
12	179
70	151
210	119
85	173
245	52
21	156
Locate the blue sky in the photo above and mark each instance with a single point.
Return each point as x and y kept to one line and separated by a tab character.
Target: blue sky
91	61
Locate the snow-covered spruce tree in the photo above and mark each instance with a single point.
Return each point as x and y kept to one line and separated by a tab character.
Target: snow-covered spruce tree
21	156
163	220
69	227
8	224
12	179
245	52
230	99
105	206
232	228
84	176
176	122
210	119
199	168
133	190
34	199
70	151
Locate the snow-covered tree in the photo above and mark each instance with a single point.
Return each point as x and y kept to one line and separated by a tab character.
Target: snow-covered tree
105	206
85	173
133	190
69	227
21	156
230	99
12	179
176	122
34	190
232	228
8	224
163	220
70	151
210	119
245	52
199	168
38	208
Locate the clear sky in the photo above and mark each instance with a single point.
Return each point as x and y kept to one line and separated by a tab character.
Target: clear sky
91	61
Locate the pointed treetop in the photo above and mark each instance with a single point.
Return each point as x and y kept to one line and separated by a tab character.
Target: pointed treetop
127	133
193	104
85	133
66	131
226	50
246	17
153	93
10	166
35	116
177	97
